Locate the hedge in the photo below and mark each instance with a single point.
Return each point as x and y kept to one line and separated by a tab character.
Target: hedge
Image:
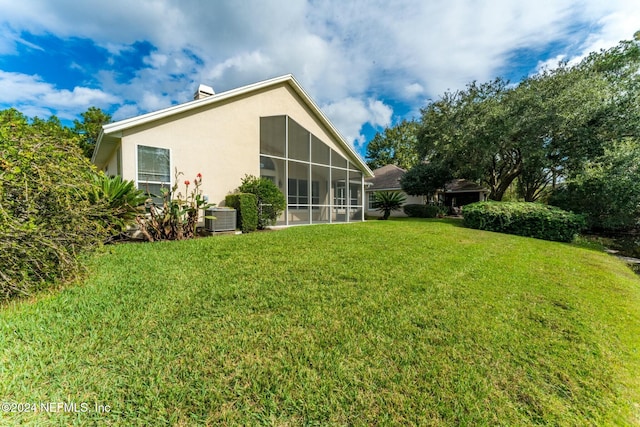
422	211
246	206
524	219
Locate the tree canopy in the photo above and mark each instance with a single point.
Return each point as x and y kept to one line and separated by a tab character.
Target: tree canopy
396	145
550	132
539	132
89	128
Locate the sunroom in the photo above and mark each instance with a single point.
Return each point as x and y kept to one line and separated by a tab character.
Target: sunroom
321	185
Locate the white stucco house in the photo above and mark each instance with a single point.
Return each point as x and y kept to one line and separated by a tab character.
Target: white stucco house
271	129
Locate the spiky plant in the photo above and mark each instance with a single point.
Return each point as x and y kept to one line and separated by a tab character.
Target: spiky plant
388	201
123	200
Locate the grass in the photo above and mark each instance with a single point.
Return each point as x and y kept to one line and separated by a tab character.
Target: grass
386	322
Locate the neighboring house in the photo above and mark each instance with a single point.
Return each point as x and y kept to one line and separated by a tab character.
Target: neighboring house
387	178
460	192
457	193
271	129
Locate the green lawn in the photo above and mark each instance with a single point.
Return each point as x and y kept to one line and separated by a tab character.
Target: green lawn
386	322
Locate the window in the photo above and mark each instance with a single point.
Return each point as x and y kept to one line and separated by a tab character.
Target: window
154	170
298	142
320	153
372	199
273	135
298	191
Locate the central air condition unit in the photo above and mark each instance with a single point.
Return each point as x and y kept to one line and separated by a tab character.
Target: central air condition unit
225	219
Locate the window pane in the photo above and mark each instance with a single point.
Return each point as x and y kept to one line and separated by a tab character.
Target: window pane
298	214
319	151
273	169
293	191
272	135
153	164
320	185
153	190
298	141
338	160
320	214
339	214
355	214
298	183
339	186
355	188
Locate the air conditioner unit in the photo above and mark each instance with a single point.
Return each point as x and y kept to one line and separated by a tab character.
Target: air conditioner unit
225	219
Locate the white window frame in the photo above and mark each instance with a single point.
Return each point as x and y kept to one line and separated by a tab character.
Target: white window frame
167	184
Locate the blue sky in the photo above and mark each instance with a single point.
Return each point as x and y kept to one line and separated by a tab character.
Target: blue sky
368	64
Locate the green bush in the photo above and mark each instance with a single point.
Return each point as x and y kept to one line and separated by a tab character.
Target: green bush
422	211
47	220
271	201
246	206
524	219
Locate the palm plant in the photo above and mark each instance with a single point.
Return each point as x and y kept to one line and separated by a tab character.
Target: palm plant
122	202
388	201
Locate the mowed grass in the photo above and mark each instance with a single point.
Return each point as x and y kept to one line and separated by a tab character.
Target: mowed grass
414	322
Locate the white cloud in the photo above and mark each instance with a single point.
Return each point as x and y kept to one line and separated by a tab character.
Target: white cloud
345	54
350	114
30	93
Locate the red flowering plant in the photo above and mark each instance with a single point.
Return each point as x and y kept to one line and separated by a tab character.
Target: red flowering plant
177	217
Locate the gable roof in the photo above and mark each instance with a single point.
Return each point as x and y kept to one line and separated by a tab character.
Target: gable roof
112	132
386	178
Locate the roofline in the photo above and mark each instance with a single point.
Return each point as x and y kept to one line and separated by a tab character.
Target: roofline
119	126
385	189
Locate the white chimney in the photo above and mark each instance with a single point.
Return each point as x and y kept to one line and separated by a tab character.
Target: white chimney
203	91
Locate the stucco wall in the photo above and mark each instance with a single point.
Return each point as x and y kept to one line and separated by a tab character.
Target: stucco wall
222	142
417	200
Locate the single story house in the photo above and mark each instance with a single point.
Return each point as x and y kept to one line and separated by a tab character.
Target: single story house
456	193
387	178
460	192
271	129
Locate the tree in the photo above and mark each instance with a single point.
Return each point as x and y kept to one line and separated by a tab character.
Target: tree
607	190
467	131
425	179
542	129
388	201
89	128
397	145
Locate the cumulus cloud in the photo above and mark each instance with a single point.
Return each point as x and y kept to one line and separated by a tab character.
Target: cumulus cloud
350	114
348	55
29	93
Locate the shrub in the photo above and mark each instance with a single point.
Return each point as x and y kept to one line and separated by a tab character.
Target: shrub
387	201
607	190
177	218
423	211
270	200
123	200
246	206
524	219
47	220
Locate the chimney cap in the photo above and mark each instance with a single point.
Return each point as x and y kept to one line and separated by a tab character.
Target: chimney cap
203	91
